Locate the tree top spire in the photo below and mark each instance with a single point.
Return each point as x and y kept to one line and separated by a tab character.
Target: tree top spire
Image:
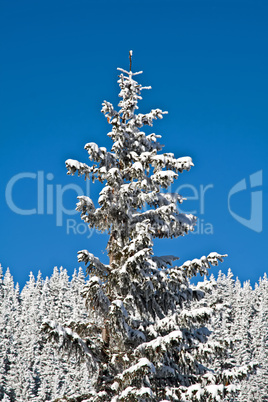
130	59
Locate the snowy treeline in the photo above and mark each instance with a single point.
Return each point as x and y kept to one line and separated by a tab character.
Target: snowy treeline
242	318
32	369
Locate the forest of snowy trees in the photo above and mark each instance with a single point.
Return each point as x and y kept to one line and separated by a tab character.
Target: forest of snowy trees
138	329
34	370
29	368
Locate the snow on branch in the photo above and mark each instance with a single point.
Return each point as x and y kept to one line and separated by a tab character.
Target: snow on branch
123	71
214	257
129	72
164	260
136	170
213	392
85	205
197	315
147	119
137	258
108	110
195	391
201	266
74	166
168	161
114	177
236	373
93	262
140	369
71	341
131	393
164	178
169	323
118	315
100	154
166	222
157	199
160	345
94	295
95	152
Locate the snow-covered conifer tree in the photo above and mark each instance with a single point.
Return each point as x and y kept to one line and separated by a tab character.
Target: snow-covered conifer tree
256	389
10	308
222	323
244	312
147	340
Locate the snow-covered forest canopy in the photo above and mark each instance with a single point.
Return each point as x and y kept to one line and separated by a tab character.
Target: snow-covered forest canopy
33	370
139	329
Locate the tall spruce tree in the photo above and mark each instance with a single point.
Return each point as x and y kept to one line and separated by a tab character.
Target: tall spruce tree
147	339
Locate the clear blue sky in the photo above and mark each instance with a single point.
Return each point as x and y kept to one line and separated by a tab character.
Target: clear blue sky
207	64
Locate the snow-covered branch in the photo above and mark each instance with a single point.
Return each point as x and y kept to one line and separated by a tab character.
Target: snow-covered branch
92	263
71	342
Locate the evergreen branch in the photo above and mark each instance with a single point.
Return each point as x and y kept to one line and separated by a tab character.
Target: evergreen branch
201	266
71	342
93	263
74	166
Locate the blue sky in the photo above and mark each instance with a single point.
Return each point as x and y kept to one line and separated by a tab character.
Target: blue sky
207	64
